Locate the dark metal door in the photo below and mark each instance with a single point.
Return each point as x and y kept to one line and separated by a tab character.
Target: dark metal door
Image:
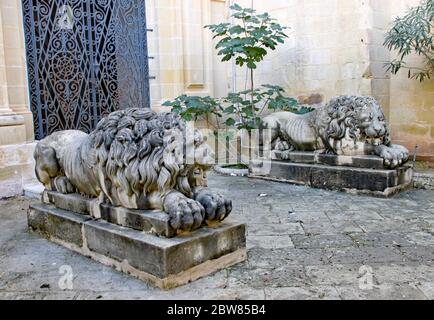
85	58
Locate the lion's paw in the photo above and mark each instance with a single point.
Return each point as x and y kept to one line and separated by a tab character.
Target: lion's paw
393	156
285	155
63	185
282	146
185	214
217	207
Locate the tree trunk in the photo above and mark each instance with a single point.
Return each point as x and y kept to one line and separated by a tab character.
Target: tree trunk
251	97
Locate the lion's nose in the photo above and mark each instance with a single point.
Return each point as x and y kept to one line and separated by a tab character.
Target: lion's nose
379	131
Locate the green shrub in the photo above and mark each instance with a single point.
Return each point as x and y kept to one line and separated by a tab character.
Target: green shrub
413	33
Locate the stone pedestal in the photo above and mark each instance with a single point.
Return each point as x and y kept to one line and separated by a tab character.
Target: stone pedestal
131	243
356	174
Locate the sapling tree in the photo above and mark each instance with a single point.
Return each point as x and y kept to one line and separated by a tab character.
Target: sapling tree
248	41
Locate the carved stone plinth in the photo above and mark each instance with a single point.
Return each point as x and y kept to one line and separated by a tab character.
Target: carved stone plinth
164	262
150	221
354	174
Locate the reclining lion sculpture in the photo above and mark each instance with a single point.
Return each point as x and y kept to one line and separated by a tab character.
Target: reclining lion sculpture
347	125
135	159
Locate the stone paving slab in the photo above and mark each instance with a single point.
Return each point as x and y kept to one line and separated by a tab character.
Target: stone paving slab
285	259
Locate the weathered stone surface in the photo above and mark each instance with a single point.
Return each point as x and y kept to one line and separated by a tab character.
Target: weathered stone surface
346	125
364	161
16	168
56	223
424	180
350	179
163	261
137	159
297	293
159	256
28	261
152	221
71	202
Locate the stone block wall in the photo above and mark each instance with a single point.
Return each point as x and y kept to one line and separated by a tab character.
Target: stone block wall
16	121
336	47
17	168
412	116
13	79
183	57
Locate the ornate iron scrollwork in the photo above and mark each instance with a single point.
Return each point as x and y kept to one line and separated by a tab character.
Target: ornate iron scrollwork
85	59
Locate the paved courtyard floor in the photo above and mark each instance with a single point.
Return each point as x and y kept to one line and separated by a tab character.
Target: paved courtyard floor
302	244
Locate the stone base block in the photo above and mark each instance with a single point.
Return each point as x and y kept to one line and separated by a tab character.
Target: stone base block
150	221
365	161
376	182
12	129
164	262
17	168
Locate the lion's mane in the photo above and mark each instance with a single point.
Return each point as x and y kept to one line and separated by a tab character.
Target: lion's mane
339	115
132	153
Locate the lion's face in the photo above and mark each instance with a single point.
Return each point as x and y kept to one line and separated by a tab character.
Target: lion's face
353	125
372	124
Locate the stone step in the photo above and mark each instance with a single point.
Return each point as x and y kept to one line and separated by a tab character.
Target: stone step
152	221
164	262
33	191
374	182
363	161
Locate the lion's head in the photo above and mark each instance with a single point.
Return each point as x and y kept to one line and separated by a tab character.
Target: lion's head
139	153
351	125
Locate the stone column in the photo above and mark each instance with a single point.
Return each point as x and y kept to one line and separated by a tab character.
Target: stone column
16	121
12	129
13	78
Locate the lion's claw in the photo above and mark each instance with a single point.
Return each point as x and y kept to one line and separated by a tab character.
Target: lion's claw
282	145
63	185
217	207
393	156
184	213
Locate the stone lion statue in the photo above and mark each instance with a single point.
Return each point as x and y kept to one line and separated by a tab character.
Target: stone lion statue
135	158
346	125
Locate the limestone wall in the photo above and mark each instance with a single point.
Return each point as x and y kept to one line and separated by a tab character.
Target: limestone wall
16	121
13	79
412	116
335	47
183	57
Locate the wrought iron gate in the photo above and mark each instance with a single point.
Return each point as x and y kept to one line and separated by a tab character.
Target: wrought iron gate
86	58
